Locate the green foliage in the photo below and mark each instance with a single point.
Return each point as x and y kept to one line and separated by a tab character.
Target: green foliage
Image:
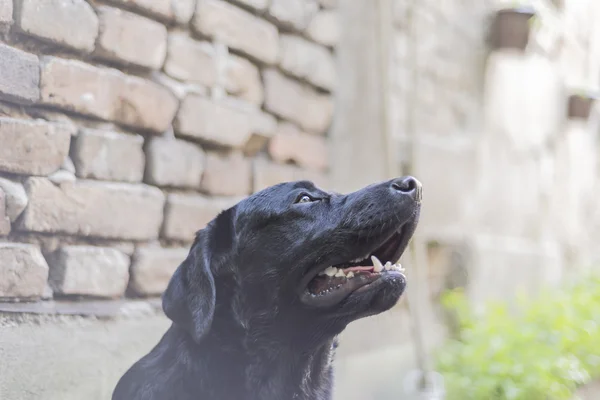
537	349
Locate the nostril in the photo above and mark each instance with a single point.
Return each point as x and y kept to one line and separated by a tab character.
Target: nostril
409	186
405	185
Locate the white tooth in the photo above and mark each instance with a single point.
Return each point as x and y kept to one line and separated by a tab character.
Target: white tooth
350	275
388	266
340	273
377	266
331	271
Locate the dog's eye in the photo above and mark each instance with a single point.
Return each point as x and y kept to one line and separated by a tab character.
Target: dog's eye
304	199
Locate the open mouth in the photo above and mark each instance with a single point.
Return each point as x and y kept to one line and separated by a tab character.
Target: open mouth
336	282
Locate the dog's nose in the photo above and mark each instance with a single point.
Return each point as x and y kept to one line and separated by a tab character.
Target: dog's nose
409	186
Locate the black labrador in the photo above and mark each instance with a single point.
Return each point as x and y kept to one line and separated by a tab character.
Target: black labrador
268	285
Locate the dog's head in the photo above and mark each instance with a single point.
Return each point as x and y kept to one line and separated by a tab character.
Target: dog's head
297	259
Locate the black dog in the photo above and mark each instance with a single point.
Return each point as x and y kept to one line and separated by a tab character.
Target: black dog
268	285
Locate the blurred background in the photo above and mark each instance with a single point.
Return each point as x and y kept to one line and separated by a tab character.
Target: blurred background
126	125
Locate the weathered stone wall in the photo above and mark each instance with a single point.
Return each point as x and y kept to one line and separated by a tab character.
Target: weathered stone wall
126	125
510	179
510	176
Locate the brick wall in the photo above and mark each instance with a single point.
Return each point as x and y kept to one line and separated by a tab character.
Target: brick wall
126	125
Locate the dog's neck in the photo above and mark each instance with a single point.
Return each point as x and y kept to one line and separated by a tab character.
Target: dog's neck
303	374
259	367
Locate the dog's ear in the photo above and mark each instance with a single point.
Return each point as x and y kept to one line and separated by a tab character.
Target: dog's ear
189	300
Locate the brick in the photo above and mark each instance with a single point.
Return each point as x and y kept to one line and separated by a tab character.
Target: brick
146	105
88	271
306	150
293	13
227	174
213	122
186	214
152	268
32	147
264	127
179	10
96	209
160	8
183	10
6	12
107	155
4	219
69	23
324	28
319	178
107	94
174	163
24	271
242	79
129	38
15	198
267	173
20	77
191	60
237	29
259	5
291	100
307	60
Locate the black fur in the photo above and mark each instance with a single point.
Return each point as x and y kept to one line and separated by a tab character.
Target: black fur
240	331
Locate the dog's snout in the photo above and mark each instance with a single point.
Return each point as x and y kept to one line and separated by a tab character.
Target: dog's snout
409	186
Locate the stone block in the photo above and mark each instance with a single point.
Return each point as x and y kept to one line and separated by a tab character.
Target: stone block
158	8
128	38
183	10
267	173
259	5
4	219
109	156
242	79
213	122
324	28
174	163
24	271
69	23
306	150
186	214
152	268
32	147
191	60
298	103
180	11
236	28
307	60
107	94
15	198
294	14
227	174
20	78
88	271
96	209
264	127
